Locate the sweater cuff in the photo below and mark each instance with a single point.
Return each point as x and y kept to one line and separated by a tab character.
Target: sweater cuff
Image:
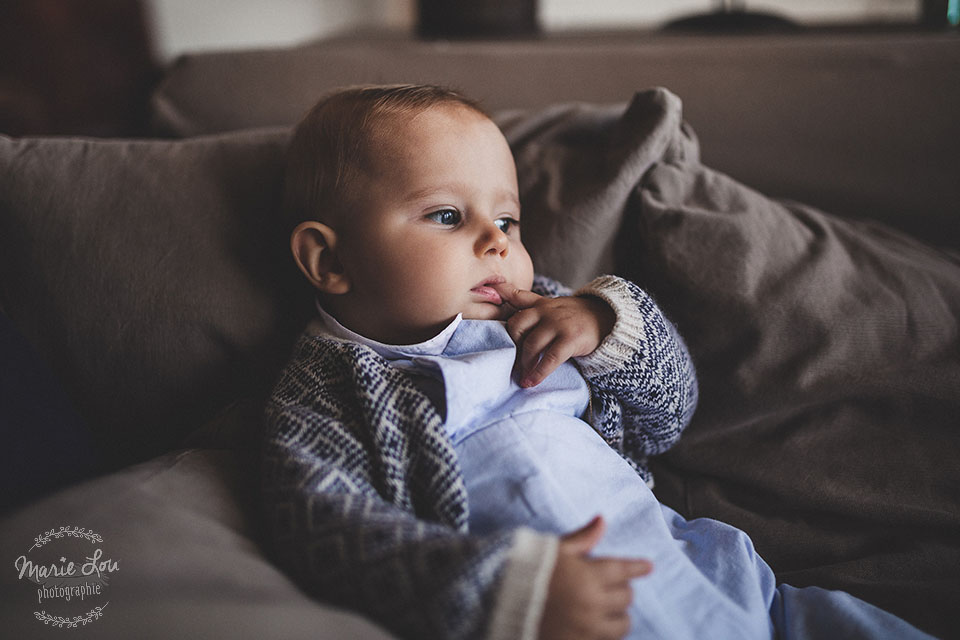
629	330
523	588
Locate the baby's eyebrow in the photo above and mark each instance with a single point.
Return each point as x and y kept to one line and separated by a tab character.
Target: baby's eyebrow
426	192
420	194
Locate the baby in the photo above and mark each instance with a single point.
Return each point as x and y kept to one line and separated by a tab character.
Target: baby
429	457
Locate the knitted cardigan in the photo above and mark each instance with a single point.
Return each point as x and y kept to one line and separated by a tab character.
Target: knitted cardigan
364	500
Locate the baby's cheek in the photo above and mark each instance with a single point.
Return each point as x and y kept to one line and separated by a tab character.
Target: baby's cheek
524	278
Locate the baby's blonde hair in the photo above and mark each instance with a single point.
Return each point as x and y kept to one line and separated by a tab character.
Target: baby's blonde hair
329	144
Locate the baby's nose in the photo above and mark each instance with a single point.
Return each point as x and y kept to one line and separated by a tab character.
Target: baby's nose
493	241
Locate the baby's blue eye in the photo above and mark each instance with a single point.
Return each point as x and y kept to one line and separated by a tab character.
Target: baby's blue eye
504	224
448	217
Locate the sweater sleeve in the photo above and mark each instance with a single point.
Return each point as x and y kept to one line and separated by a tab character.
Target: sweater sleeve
642	378
548	287
335	526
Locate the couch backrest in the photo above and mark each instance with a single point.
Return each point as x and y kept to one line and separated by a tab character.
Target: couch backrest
859	124
151	275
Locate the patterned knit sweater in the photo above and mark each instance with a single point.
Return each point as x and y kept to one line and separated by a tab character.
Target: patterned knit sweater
363	496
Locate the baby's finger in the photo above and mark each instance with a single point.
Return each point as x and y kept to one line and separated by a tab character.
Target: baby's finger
534	343
521	322
517	298
615	627
616	571
638	568
619	598
556	354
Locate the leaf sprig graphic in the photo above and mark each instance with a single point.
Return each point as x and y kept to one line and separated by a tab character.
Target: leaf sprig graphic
70	623
73	532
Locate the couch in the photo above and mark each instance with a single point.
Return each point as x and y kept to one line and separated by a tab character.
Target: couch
791	202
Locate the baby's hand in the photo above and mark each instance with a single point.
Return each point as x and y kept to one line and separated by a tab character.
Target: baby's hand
588	597
550	331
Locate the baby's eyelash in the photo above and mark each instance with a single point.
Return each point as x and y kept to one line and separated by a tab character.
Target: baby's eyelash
448	217
452	218
507	223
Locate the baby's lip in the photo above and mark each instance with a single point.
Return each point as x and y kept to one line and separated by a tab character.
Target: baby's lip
485	289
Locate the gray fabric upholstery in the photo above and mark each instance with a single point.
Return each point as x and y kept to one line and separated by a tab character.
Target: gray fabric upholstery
181	530
154	280
577	166
828	355
149	275
860	124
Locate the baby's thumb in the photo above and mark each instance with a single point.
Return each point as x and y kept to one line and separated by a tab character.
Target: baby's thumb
586	537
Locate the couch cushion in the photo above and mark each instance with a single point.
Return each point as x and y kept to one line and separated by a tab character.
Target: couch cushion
45	443
150	275
828	354
183	533
577	166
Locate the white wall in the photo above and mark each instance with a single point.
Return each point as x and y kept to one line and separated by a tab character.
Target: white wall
601	13
191	25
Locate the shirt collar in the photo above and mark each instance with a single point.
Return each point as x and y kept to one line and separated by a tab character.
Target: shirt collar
326	325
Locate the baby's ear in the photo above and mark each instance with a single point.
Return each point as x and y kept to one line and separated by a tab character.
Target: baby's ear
314	247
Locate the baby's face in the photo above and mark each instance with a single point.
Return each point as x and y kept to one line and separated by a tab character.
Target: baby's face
435	220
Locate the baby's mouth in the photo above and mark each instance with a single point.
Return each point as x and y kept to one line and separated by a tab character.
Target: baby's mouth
486	291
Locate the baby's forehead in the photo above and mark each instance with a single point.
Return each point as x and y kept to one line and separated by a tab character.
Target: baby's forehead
432	119
452	129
